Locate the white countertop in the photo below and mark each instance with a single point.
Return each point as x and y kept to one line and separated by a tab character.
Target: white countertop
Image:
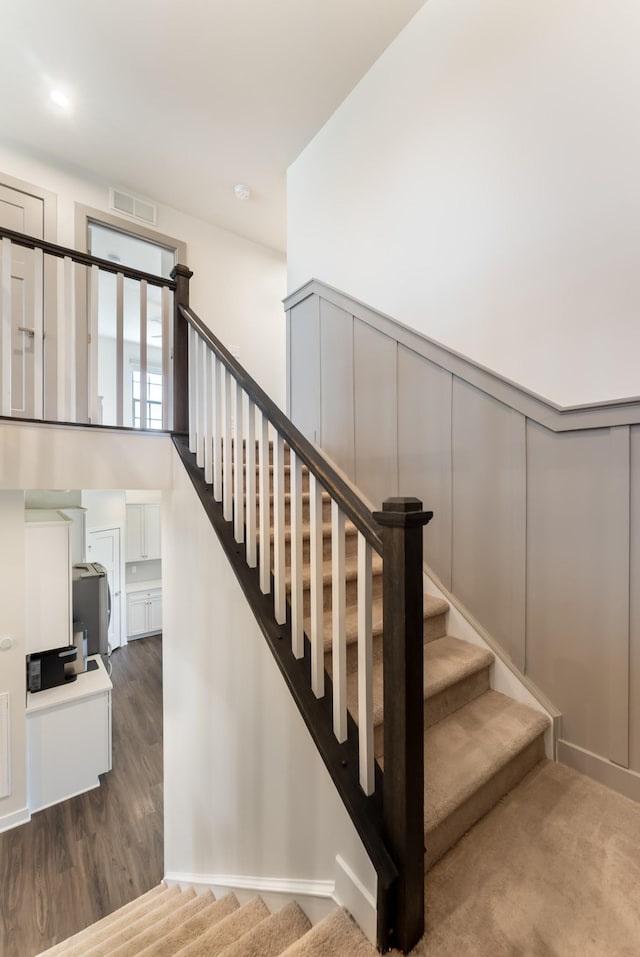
143	586
87	684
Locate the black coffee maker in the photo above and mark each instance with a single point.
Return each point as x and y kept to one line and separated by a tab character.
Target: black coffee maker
47	669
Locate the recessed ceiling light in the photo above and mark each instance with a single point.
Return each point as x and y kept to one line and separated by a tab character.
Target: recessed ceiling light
60	99
242	191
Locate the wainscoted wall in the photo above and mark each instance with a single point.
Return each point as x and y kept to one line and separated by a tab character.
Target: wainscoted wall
537	508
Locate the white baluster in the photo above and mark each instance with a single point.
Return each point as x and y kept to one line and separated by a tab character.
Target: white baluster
338	616
217	428
143	354
238	465
250	418
120	349
227	460
66	341
167	379
94	345
200	401
297	560
365	668
279	583
5	330
38	314
193	403
208	415
317	588
264	490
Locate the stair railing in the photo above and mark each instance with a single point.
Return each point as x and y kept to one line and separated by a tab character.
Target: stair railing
232	423
70	289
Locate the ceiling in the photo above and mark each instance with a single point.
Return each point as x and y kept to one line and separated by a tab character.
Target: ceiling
178	101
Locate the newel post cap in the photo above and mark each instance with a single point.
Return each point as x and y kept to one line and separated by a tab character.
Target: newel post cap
182	272
402	512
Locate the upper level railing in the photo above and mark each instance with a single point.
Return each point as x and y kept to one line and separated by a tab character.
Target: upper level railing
83	339
290	513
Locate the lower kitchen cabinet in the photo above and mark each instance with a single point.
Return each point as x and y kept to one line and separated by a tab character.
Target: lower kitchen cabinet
144	613
68	738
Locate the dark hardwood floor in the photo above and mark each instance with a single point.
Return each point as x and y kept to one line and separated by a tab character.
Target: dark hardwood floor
79	860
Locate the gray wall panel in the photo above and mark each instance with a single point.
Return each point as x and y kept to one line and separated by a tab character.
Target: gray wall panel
336	370
634	609
489	514
578	581
304	365
376	413
424	450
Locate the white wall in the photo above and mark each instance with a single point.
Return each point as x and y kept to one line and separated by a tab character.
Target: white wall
246	793
481	185
13	809
237	285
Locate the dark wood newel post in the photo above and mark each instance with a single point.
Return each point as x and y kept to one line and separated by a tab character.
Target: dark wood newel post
181	275
402	520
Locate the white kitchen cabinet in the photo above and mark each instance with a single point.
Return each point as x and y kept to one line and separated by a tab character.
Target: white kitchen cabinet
143	533
48	578
144	612
68	738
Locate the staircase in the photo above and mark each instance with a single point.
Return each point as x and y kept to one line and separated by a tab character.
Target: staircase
170	922
478	743
300	539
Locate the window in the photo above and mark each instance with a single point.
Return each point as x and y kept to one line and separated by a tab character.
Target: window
154	400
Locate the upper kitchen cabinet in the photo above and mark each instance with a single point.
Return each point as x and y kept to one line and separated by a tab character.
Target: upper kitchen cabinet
48	577
143	533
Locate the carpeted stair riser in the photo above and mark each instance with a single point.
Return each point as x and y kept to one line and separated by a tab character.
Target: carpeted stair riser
287	477
306	506
350	544
81	944
271	936
457	695
472	758
210	915
126	942
464	683
336	936
439	840
228	931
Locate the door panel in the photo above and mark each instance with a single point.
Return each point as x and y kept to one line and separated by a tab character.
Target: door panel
25	214
103	546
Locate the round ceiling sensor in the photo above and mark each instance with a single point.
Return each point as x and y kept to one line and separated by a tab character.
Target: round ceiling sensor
241	191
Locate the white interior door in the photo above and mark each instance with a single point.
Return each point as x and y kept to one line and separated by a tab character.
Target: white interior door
103	546
23	213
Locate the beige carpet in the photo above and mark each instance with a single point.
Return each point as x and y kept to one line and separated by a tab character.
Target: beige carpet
552	871
175	923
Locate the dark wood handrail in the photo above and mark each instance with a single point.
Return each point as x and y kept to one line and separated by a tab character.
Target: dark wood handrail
85	259
350	503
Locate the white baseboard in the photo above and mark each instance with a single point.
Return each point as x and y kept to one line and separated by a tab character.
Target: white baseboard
316	898
352	894
8	821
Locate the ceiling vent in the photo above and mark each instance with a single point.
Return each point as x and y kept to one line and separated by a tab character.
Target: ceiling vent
133	206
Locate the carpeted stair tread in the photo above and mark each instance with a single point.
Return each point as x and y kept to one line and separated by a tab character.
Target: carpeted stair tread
337	935
350	571
271	936
467	748
350	531
435	610
127	912
447	662
128	941
207	916
142	917
227	931
215	911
